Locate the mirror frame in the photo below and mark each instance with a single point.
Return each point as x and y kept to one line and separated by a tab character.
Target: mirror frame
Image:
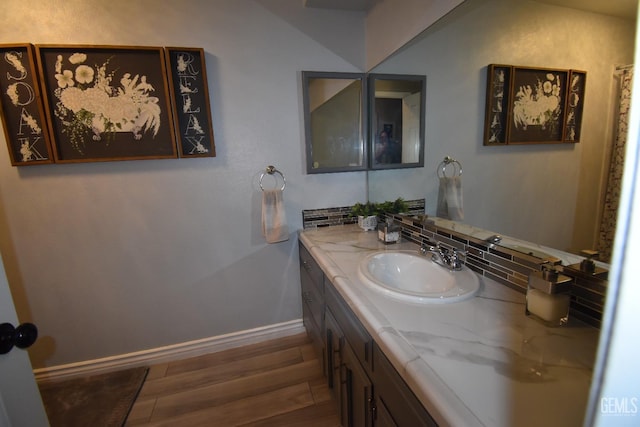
372	131
306	77
367	103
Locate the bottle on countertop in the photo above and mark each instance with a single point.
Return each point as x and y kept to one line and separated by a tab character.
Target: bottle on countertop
549	296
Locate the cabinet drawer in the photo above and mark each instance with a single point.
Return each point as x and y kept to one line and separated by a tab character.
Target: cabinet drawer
356	335
308	264
315	333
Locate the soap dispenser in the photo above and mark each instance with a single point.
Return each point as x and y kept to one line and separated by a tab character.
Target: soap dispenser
548	296
587	267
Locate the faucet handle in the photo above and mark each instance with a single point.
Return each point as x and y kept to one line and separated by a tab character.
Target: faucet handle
427	248
457	252
456	264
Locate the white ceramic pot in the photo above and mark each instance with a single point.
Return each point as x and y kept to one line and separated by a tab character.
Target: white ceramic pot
368	223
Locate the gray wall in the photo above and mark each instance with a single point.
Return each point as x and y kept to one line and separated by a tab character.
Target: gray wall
111	258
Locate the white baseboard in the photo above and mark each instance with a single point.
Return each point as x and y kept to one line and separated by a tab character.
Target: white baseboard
170	353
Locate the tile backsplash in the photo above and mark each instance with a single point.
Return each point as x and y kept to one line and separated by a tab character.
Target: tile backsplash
506	266
314	218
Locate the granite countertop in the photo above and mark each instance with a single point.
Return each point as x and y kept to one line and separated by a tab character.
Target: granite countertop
479	362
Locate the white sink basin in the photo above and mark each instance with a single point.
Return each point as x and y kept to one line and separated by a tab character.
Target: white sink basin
411	277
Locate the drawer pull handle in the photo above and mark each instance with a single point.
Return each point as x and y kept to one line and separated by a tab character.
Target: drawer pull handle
306	297
306	266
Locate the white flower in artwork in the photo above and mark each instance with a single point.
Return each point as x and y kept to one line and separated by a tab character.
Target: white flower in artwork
31	122
84	74
201	149
14	58
65	79
78	58
89	103
25	150
59	64
186	104
12	92
186	89
195	125
181	66
538	105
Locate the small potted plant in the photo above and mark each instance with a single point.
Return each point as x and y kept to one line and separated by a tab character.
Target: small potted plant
367	214
395	207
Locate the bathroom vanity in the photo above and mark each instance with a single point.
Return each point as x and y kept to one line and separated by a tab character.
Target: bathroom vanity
477	362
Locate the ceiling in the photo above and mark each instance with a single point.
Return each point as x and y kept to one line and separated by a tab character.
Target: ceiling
626	9
621	8
361	5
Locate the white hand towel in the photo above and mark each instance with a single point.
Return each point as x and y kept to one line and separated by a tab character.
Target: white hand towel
274	220
450	198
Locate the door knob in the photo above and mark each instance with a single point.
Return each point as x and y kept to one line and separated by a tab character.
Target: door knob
22	337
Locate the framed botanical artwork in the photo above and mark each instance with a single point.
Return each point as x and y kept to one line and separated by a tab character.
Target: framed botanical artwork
537	105
528	105
106	103
21	106
575	106
190	101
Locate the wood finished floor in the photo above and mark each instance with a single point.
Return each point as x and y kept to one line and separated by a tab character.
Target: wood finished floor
275	383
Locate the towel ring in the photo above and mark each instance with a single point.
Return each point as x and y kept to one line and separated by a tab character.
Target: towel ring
442	167
271	170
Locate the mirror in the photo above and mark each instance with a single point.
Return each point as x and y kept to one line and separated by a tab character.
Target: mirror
396	104
338	108
550	194
335	123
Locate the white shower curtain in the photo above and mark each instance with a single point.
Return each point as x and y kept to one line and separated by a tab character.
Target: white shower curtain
614	181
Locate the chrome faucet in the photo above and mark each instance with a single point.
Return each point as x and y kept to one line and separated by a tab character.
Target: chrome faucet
496	238
448	258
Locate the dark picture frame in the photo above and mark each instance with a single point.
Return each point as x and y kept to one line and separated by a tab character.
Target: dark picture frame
497	108
530	105
106	103
21	107
575	106
190	101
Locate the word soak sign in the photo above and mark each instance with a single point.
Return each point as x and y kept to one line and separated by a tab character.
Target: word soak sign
21	106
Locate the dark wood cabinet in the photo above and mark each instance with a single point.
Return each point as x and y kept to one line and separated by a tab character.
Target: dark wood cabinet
335	342
363	382
395	403
312	290
357	391
355	333
348	381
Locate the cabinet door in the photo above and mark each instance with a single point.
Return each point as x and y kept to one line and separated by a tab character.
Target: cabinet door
381	415
334	339
313	298
355	333
395	403
312	284
357	391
